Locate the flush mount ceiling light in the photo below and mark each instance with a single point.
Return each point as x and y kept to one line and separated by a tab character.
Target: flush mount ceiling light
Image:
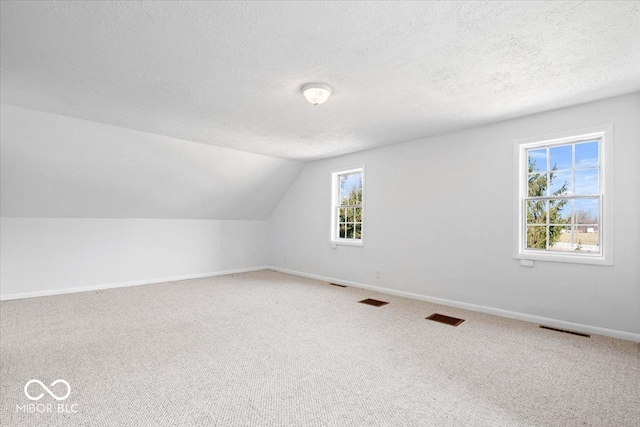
316	93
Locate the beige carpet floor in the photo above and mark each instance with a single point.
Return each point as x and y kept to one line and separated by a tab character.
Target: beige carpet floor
270	349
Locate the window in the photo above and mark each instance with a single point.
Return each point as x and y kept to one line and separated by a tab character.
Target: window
562	205
347	206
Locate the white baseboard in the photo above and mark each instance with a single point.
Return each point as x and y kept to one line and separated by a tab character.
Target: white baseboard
22	295
629	336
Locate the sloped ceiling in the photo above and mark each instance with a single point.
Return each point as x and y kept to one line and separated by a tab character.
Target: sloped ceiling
61	167
229	73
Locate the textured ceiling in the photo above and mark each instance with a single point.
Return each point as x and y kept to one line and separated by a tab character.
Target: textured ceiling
229	74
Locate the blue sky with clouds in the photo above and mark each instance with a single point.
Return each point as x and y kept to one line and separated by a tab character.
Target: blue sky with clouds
586	159
585	170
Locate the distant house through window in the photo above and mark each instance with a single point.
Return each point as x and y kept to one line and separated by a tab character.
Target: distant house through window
347	206
562	198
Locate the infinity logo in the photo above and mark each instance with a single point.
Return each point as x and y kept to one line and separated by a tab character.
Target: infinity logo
52	394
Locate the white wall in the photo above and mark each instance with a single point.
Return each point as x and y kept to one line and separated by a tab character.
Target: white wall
89	205
51	255
439	222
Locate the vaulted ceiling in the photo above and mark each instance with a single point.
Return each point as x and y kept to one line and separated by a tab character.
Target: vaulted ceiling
60	167
229	74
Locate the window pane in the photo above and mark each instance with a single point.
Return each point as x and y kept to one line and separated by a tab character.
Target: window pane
587	181
350	181
559	212
342	215
561	157
537	184
351	188
350	230
344	197
562	223
537	237
536	212
537	160
587	211
560	238
586	238
348	214
587	155
358	214
561	183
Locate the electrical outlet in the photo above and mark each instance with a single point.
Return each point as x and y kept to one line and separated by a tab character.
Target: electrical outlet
377	274
285	258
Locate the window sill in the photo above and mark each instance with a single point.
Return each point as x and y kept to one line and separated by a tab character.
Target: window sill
346	242
569	259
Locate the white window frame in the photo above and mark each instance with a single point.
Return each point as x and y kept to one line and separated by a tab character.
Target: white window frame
335	204
602	133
